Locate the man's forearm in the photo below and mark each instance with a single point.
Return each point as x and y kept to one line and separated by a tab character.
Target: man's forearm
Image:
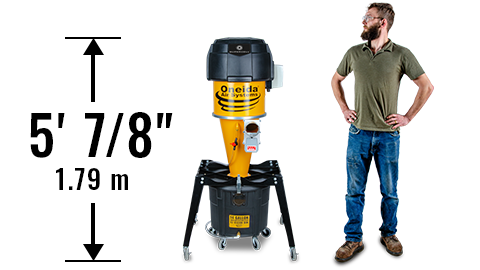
424	91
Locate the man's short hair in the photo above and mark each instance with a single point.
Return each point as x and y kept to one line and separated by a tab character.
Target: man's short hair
385	11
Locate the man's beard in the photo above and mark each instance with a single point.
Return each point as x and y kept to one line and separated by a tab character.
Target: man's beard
371	33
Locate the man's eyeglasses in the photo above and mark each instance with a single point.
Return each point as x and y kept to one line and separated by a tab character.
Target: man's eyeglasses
368	18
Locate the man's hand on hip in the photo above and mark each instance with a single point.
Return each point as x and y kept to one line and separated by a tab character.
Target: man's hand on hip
397	120
350	116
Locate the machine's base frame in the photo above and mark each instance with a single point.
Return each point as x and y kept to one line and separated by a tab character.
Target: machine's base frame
215	174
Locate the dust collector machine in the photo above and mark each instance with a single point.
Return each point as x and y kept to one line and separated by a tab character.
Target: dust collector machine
242	70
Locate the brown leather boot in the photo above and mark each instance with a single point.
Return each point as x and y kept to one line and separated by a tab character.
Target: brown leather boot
348	250
392	244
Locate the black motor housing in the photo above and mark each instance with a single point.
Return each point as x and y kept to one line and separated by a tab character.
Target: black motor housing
240	60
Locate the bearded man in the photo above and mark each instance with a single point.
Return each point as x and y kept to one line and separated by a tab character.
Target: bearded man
378	66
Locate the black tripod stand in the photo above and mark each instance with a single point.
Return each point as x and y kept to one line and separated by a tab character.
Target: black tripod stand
215	174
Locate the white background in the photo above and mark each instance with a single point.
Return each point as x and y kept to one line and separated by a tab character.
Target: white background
158	66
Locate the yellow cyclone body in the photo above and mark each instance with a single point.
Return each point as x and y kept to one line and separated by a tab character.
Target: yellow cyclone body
233	103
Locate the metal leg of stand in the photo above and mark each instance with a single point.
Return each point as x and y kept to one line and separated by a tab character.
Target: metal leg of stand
196	196
282	200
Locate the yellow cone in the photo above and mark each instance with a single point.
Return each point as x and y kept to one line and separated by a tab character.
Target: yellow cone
238	159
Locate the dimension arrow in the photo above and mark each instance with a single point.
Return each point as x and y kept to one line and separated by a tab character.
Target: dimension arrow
92	50
92	248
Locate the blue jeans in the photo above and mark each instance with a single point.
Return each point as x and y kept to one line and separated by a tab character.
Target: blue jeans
384	148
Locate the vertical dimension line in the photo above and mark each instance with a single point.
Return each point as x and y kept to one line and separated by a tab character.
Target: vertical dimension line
93	79
93	223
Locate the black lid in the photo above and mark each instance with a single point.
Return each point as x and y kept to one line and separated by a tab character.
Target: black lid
239	60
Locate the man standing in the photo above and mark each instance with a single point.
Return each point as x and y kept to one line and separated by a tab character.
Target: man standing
378	65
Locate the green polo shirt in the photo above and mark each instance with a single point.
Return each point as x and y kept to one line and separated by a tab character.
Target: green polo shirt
377	81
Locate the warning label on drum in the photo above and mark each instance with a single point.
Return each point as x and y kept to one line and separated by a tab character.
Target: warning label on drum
236	221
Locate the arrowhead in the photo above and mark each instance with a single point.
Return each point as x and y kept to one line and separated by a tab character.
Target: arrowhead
93	249
93	49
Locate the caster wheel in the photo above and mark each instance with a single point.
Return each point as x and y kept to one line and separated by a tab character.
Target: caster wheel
255	243
186	254
293	254
222	244
281	220
266	232
212	230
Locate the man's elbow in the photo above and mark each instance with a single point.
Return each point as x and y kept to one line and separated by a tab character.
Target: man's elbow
429	88
424	83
